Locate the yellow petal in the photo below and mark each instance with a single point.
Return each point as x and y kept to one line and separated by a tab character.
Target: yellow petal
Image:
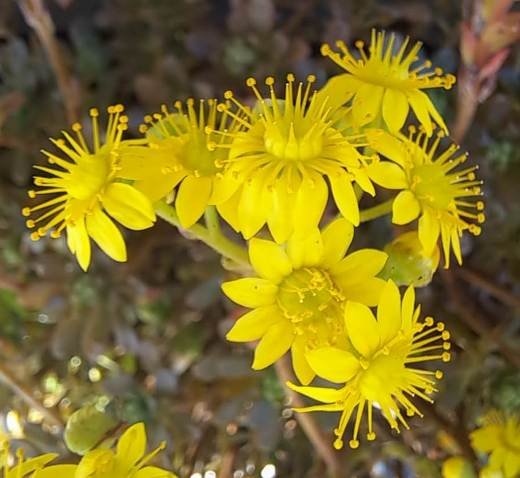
252	207
389	175
254	324
338	90
224	186
280	220
310	203
361	327
269	260
159	186
360	264
419	103
387	145
487	438
455	244
325	395
408	308
305	249
56	471
192	199
276	341
367	292
79	242
301	367
446	240
106	235
336	238
152	472
405	208
333	364
345	197
251	292
429	230
131	447
395	109
366	105
362	179
389	312
128	206
228	210
435	115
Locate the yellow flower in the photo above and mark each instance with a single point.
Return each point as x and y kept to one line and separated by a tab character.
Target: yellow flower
299	296
84	186
432	187
35	467
128	461
384	85
379	371
280	159
457	467
500	436
182	150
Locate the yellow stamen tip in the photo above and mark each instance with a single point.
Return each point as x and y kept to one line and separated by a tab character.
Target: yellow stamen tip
353	444
338	444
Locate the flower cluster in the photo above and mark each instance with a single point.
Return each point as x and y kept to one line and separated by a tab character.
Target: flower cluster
129	460
271	167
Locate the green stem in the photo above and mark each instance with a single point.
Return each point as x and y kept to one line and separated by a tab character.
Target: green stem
376	211
212	237
212	221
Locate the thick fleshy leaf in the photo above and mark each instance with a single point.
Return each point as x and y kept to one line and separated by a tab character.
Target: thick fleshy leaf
333	364
405	208
79	242
301	366
429	230
345	197
395	109
336	238
322	394
254	324
269	260
251	292
359	265
310	203
128	206
362	329
277	340
106	235
192	199
389	312
131	447
366	105
305	249
387	174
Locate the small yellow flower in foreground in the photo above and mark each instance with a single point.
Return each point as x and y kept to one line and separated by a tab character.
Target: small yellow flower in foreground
280	160
84	187
183	150
128	461
380	371
383	84
500	436
299	296
34	467
457	467
432	188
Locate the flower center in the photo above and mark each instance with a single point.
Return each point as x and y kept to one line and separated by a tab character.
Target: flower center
430	184
308	295
383	374
291	141
88	176
197	157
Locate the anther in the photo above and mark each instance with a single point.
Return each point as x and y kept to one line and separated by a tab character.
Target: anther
371	436
228	94
31	193
290	77
353	444
438	374
269	81
94	112
338	444
359	44
26	211
76	127
30	223
445	335
325	49
446	357
250	82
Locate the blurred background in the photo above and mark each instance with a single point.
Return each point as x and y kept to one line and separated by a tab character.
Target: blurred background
144	340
